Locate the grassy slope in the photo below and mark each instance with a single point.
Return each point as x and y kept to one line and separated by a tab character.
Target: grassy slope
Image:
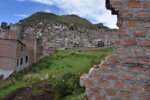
52	68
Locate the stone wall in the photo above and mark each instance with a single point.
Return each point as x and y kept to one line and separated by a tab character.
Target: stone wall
125	74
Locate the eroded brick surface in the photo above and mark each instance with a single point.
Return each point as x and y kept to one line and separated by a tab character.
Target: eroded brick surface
125	74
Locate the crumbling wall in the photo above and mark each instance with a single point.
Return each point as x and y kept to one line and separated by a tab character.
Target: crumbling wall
125	74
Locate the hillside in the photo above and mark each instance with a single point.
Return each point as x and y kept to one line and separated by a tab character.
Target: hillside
51	18
61	70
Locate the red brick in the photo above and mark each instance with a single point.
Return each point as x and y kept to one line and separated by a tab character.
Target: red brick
144	43
135	87
116	41
134	4
104	84
131	24
129	42
119	24
137	69
144	61
130	37
112	77
117	4
128	78
88	98
89	82
113	59
141	14
141	77
94	91
122	33
125	94
138	52
129	61
144	96
147	52
122	51
147	70
147	4
110	92
97	75
100	98
139	33
147	24
120	85
105	67
125	13
7	63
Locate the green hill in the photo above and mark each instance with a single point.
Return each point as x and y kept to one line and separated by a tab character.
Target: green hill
53	70
51	18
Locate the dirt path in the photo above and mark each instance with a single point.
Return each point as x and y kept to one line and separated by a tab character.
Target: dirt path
37	91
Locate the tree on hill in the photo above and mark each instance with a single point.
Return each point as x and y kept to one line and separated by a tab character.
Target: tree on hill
4	25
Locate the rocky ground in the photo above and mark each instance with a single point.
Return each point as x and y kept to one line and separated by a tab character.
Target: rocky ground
38	91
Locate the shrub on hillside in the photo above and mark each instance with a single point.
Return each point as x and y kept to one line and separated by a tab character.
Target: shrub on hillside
68	84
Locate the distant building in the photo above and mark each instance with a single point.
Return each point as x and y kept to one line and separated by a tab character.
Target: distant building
100	43
34	48
17	53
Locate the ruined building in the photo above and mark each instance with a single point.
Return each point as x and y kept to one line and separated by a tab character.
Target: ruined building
125	74
16	51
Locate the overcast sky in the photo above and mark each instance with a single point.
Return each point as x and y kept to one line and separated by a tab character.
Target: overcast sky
92	10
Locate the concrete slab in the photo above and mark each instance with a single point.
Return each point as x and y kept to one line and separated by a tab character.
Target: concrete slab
5	73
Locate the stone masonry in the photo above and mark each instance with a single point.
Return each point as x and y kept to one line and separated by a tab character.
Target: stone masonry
125	74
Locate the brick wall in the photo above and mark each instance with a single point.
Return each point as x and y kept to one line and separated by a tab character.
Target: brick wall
31	44
7	54
11	34
34	48
125	74
21	53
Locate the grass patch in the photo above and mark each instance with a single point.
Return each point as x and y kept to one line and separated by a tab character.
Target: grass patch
78	96
6	91
37	91
52	69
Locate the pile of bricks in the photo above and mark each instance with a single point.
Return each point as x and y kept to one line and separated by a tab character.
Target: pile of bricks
125	74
